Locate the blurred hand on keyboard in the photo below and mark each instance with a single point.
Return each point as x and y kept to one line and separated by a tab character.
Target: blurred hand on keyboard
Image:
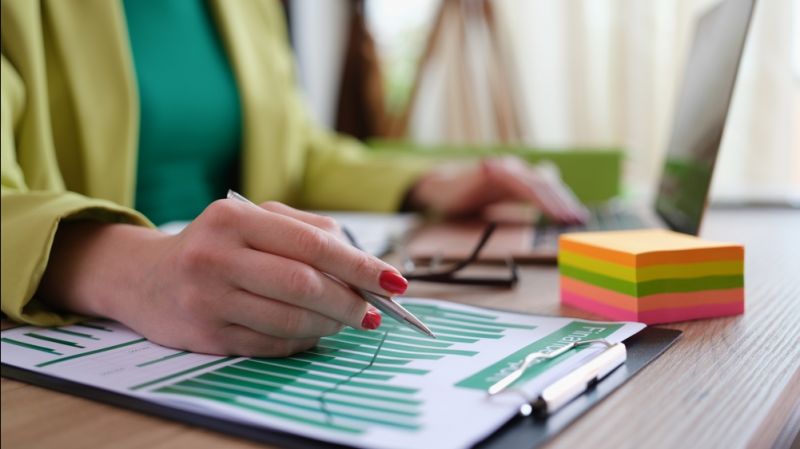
459	189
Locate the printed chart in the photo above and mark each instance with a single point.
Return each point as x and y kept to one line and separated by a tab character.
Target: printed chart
387	388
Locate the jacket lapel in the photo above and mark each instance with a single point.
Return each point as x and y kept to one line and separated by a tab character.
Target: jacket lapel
263	70
91	44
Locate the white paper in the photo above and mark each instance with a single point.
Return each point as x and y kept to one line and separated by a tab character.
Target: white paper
374	232
400	401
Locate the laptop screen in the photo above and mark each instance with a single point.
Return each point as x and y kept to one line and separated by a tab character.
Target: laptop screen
700	114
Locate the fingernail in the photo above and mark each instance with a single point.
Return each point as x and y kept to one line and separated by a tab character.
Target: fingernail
393	282
371	320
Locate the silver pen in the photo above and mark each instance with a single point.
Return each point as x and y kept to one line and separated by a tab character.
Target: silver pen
385	304
567	388
564	390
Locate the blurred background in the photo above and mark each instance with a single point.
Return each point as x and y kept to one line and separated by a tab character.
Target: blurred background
557	75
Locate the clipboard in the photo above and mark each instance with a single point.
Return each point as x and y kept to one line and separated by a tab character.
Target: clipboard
528	433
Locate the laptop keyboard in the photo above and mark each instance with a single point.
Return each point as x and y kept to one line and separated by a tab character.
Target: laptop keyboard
602	218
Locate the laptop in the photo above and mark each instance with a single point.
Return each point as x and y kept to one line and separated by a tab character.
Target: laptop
700	114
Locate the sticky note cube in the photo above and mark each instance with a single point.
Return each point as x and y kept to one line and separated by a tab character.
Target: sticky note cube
651	275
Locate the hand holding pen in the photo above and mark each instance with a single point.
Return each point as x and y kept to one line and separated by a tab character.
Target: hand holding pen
385	303
238	280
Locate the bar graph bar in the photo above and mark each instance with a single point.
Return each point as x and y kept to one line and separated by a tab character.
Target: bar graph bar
162	359
181	373
74	333
312	357
323	349
25	345
430	310
439	336
351	381
471	326
334	343
58	341
88	353
321	368
372	343
96	327
420	341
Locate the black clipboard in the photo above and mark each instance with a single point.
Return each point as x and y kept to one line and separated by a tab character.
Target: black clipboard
527	433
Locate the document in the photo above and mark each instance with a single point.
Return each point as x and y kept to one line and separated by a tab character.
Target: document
375	232
388	388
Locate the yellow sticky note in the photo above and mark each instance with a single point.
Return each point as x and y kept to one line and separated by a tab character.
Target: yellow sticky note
648	247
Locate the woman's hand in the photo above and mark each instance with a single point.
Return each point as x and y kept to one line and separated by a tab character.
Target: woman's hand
467	188
238	280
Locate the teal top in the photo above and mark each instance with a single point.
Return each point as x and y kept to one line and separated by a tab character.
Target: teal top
191	124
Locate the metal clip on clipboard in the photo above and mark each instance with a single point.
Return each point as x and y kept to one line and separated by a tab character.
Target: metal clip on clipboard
567	388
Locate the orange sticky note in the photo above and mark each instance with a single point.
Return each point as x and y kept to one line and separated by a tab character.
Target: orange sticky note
651	275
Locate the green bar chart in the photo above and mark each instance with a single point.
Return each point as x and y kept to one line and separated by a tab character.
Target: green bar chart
350	381
163	359
60	341
389	388
30	346
74	333
57	341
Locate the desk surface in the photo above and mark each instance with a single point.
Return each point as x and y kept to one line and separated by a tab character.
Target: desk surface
729	382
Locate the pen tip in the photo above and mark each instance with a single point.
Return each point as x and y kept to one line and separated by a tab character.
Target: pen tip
415	323
422	328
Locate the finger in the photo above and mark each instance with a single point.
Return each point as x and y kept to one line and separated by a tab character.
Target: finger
276	318
559	209
562	193
525	185
300	285
242	341
577	210
320	221
545	181
285	236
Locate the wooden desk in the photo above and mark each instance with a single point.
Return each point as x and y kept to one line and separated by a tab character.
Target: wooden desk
727	383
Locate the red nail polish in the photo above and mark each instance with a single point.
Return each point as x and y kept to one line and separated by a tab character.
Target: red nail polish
393	282
371	320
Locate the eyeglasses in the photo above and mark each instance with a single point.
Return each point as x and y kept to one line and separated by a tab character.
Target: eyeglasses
453	274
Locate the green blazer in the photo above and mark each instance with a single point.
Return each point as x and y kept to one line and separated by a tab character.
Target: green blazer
69	131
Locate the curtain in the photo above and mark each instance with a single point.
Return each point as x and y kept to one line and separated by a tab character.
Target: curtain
606	73
361	110
463	89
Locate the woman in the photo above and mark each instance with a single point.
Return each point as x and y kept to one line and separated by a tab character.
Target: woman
109	107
